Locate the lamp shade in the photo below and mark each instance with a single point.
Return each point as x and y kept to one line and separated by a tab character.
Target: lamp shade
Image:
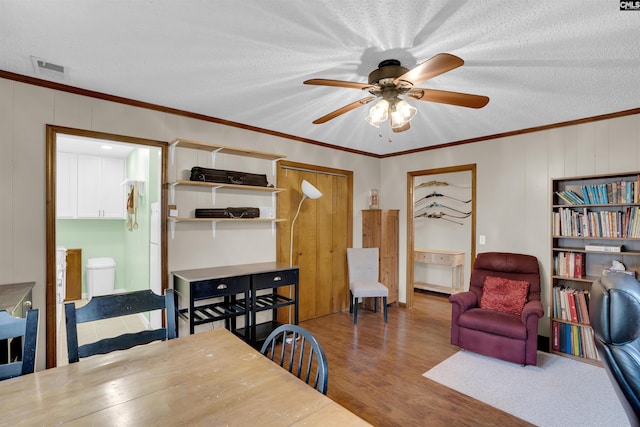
378	113
401	113
310	191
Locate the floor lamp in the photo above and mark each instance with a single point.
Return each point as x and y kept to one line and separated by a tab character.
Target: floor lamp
308	192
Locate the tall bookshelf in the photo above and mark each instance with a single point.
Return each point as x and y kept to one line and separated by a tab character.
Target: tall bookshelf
595	220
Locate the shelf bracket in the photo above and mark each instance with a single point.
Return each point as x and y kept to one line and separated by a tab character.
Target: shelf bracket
213	229
172	151
172	229
273	228
172	193
213	195
274	163
213	156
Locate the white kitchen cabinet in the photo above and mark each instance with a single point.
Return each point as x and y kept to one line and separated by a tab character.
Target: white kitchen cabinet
100	193
66	185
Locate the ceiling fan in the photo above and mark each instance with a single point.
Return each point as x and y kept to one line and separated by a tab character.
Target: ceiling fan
391	80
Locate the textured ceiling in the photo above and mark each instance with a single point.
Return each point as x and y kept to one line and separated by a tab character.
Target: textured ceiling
540	62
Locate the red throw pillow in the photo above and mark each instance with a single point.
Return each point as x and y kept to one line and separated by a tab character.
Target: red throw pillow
506	295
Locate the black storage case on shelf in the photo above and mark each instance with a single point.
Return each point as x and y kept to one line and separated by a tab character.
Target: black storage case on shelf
228	177
228	213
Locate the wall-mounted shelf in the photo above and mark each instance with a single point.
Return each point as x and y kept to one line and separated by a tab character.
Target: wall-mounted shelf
213	221
215	149
214	186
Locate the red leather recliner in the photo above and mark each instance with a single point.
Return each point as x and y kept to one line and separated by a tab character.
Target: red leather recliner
495	333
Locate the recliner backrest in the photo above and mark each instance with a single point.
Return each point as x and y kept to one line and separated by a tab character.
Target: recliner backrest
614	313
509	265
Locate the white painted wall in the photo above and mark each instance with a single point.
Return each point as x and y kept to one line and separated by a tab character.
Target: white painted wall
513	179
25	110
514	183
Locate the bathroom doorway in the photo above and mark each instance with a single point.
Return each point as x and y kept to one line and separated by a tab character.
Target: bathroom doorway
104	206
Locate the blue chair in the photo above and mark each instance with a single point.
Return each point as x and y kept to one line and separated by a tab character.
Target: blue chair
116	305
299	352
25	329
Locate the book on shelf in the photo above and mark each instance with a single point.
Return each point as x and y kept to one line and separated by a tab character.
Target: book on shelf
555	336
602	248
574	340
570	197
569	264
618	192
571	304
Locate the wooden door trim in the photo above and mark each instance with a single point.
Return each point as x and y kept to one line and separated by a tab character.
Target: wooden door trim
50	289
411	176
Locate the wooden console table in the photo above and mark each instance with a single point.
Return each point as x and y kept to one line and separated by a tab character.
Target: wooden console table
236	291
454	259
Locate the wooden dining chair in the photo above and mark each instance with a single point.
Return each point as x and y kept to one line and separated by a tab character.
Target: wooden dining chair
117	305
299	352
25	329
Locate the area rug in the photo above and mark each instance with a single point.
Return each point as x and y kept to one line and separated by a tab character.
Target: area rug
557	392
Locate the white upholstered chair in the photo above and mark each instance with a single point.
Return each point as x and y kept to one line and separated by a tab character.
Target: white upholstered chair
363	279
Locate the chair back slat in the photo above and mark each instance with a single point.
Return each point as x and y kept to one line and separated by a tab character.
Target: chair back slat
122	342
27	330
117	305
300	353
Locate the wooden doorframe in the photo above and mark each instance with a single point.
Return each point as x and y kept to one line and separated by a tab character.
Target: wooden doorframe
411	176
52	132
281	235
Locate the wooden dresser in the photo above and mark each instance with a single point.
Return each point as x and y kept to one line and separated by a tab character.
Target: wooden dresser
380	230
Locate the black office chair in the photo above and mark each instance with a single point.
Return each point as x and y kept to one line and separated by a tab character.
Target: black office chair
116	305
301	352
614	312
18	328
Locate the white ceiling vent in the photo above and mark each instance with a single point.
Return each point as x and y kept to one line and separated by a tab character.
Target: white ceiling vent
48	69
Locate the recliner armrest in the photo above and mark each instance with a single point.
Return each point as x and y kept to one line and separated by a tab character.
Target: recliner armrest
464	300
532	308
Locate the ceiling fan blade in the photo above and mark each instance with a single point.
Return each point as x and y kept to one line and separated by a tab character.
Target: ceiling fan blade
452	98
343	110
439	64
337	83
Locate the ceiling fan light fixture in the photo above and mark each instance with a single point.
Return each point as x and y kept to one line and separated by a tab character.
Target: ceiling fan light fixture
378	113
401	113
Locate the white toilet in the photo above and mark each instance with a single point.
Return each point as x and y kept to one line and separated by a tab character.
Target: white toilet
101	274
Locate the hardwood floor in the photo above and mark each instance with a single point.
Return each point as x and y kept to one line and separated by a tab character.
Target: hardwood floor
376	371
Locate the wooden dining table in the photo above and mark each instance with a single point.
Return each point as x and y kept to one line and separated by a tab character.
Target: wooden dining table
210	378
